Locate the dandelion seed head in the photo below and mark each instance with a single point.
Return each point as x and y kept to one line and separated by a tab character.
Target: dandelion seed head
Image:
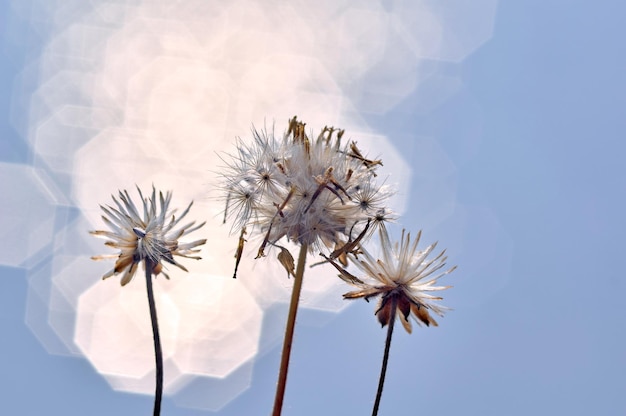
150	235
403	276
319	192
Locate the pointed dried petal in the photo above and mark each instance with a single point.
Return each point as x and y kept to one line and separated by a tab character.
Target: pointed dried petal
406	323
404	306
286	259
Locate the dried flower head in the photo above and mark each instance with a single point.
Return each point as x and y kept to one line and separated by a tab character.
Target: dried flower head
319	193
151	238
404	277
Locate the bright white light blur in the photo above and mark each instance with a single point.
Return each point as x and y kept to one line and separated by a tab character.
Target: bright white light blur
113	328
208	325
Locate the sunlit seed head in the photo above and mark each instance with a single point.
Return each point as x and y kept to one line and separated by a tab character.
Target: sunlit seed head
150	236
319	192
403	278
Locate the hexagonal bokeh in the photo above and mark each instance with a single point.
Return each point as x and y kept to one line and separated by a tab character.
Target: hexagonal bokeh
146	93
58	137
54	286
113	328
68	284
208	325
212	393
28	212
447	31
223	321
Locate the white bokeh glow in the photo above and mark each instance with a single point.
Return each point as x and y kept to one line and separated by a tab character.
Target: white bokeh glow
152	92
208	327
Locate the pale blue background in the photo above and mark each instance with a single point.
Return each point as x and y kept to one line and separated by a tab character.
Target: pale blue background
537	328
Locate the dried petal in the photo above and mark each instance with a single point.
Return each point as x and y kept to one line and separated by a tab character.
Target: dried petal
286	259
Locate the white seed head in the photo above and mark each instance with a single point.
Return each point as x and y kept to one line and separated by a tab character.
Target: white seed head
320	192
151	236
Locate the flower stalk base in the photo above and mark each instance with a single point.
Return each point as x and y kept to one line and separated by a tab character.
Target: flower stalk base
158	354
288	341
383	370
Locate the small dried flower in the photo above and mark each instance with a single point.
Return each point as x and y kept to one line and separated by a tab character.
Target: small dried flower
404	277
317	193
147	236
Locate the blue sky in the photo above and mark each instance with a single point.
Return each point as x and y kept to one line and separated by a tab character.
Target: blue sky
516	156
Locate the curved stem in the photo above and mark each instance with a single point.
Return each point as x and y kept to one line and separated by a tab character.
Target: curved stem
383	370
158	354
291	322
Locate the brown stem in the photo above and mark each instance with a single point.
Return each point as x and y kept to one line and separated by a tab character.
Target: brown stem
383	370
158	354
291	323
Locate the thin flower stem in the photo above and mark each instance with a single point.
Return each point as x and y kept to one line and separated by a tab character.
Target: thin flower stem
158	354
291	323
383	370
